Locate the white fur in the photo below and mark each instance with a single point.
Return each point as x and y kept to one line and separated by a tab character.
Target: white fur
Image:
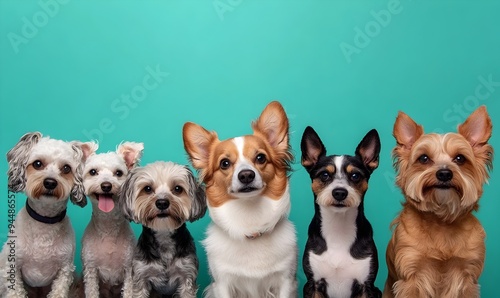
108	242
336	265
44	253
261	267
243	164
252	266
325	197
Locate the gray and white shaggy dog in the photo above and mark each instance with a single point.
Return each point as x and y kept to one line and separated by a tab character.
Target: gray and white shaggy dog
49	172
162	196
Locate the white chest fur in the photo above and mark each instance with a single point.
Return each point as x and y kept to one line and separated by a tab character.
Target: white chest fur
336	265
252	266
43	249
247	216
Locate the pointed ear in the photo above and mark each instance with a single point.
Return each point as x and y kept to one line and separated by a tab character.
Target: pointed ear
131	153
198	143
82	152
369	149
477	127
272	125
477	131
406	131
312	148
17	157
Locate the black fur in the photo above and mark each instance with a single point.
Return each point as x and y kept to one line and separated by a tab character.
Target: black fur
175	245
315	160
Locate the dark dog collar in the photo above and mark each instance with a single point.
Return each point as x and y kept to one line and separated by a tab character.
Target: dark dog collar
45	219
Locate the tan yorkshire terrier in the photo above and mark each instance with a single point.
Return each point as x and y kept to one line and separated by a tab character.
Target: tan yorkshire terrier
437	247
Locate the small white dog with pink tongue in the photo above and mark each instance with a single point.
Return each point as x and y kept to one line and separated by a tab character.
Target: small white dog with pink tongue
108	242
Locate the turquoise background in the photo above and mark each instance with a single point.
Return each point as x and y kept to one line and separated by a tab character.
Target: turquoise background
68	75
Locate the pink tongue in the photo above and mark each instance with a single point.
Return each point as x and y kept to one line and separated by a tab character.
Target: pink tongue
106	203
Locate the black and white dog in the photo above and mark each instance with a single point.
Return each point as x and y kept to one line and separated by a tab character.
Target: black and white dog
162	196
340	258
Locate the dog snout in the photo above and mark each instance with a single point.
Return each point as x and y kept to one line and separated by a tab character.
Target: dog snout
444	175
339	194
162	204
246	176
49	183
106	186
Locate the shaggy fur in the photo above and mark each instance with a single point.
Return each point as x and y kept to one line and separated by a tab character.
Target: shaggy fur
437	248
49	172
162	196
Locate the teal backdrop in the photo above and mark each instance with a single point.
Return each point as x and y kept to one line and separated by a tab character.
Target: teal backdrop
116	71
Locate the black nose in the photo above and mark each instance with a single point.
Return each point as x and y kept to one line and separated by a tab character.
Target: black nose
50	183
246	176
444	175
162	204
106	186
339	194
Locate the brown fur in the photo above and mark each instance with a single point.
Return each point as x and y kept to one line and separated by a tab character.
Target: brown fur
437	247
206	151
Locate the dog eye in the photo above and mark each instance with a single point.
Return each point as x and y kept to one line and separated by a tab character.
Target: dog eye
66	169
459	159
225	164
93	172
324	176
37	164
423	159
148	189
118	173
355	177
178	190
261	158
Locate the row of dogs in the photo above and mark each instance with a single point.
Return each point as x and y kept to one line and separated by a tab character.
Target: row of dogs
437	248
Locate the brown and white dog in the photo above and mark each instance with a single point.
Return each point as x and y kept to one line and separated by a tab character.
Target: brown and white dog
437	248
251	244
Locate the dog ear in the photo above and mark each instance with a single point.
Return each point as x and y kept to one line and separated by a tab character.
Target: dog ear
198	143
477	127
312	148
406	131
82	152
127	195
197	193
273	126
17	157
131	153
477	131
369	149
